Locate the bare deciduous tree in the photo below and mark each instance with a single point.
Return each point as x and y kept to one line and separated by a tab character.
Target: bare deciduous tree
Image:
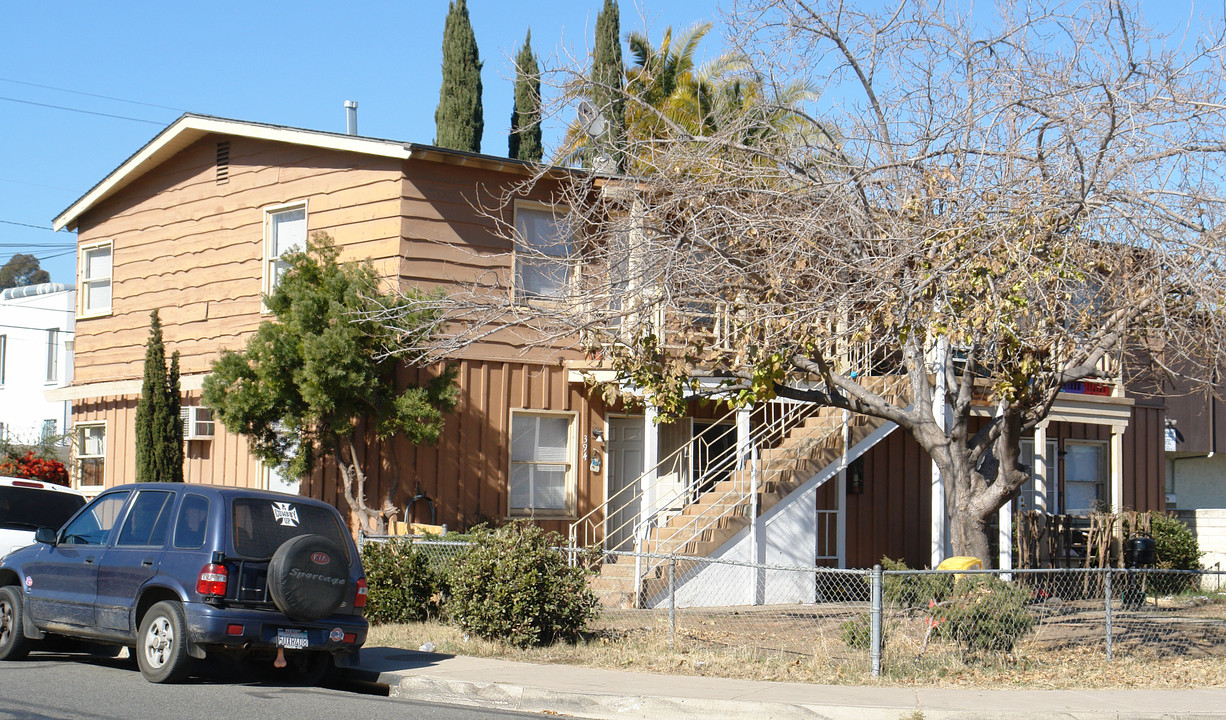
983	206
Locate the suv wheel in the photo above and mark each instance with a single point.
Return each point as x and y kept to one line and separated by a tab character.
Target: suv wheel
308	577
14	645
161	648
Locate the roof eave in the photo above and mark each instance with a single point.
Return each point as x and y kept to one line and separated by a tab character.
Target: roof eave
190	128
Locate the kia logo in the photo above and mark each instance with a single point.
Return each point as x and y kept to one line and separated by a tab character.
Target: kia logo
320	558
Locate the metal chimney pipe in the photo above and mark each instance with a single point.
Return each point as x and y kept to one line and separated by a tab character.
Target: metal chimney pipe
351	117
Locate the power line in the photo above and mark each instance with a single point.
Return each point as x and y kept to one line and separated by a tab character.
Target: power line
90	94
21	224
39	329
78	110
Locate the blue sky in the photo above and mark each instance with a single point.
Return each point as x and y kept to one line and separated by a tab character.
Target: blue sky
84	84
276	62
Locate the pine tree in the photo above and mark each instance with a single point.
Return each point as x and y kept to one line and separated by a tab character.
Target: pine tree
525	138
159	431
458	119
608	80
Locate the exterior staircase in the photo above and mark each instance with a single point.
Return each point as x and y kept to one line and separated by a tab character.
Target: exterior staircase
789	455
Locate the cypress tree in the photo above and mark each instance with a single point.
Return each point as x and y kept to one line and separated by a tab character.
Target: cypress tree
458	120
608	81
159	431
525	138
172	427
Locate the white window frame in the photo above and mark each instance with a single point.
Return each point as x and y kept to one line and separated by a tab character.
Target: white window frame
4	345
270	262
79	453
519	294
568	511
86	282
1103	482
199	422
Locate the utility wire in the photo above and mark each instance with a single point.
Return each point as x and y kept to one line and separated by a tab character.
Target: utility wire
87	112
41	329
90	94
21	224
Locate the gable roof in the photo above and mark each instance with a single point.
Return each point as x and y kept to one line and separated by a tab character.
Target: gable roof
191	127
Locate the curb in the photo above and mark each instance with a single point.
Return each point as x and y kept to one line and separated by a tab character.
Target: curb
603	706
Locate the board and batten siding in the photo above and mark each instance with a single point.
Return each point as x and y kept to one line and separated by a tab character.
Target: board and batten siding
465	473
223	460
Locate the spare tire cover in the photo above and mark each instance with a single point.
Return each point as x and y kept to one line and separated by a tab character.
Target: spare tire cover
307	577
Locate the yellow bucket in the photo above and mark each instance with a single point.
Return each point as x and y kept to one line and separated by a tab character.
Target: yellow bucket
960	562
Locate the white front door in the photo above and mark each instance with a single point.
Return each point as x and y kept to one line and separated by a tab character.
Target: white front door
625	457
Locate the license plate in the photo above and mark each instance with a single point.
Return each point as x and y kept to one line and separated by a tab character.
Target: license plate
291	639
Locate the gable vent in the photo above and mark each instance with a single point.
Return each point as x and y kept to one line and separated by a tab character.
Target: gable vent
223	162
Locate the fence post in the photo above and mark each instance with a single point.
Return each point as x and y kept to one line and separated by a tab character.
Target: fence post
1107	611
672	602
874	645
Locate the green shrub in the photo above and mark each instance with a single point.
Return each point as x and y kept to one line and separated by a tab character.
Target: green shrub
402	586
1176	549
513	584
984	614
912	592
857	632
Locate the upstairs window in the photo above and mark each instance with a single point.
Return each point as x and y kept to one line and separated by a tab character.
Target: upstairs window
95	281
285	230
543	264
4	341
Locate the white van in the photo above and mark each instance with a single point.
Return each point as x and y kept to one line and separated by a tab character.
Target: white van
27	505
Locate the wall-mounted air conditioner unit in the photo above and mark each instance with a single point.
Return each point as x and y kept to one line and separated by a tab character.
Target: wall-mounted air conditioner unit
197	423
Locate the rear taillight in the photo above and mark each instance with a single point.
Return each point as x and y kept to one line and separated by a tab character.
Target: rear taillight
212	580
359	600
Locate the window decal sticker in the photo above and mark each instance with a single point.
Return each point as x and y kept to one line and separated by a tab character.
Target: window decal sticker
285	514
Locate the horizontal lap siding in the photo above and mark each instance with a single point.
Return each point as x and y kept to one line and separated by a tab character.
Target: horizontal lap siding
193	248
454	224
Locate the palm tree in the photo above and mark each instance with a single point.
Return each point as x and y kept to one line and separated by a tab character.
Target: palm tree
669	95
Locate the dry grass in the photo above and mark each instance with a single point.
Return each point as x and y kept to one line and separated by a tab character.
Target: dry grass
1037	663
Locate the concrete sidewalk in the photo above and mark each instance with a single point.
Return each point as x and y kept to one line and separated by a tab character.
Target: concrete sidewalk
591	693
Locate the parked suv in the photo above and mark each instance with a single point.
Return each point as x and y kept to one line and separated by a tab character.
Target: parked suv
27	505
177	572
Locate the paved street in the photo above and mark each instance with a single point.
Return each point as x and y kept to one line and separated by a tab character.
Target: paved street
55	687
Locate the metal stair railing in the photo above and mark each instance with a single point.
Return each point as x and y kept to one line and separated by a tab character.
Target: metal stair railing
584	531
743	493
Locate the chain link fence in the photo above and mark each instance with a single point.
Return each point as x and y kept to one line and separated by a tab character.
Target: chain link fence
898	621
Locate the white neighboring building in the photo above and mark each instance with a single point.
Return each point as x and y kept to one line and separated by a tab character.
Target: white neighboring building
36	333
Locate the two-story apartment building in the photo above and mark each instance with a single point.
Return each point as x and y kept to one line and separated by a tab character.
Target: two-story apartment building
36	348
194	223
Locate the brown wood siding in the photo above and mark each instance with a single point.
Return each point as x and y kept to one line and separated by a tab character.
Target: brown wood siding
891	517
223	460
465	473
193	248
1145	459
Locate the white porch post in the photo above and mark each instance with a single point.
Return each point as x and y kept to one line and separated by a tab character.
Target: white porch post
1004	521
840	522
651	452
743	437
1117	468
1041	468
940	410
